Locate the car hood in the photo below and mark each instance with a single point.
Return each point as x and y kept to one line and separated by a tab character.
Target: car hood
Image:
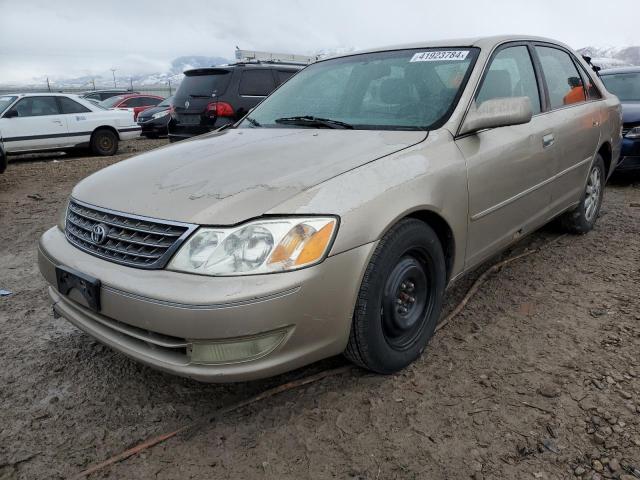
631	112
227	177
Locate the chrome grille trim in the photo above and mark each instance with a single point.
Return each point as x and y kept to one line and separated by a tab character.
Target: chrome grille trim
132	240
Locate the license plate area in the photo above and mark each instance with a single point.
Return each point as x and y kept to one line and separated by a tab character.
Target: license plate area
89	287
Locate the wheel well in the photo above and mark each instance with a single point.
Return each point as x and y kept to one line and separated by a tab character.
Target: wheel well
444	232
605	153
106	127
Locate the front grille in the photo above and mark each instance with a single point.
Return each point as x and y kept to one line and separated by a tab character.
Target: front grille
131	240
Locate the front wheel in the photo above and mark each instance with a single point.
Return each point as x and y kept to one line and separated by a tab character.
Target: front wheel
582	218
400	299
104	142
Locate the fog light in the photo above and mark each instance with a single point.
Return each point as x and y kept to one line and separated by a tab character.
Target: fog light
234	351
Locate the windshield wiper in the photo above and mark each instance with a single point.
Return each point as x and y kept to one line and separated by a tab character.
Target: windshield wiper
253	121
311	121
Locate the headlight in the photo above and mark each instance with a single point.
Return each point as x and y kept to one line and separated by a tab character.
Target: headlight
262	246
160	114
633	133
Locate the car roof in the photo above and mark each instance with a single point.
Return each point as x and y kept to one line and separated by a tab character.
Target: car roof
41	94
231	66
611	71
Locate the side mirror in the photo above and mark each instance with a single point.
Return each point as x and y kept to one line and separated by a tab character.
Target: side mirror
497	112
12	113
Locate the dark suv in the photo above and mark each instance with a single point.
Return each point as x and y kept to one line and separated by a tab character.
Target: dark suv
209	98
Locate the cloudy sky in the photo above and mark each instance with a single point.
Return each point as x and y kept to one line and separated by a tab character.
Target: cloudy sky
71	38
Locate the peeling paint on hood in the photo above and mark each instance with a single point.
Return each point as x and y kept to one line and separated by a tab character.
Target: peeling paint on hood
228	177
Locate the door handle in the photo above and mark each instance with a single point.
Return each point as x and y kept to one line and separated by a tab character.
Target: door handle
596	123
548	140
57	121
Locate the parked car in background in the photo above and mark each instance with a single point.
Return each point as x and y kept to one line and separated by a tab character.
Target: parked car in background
624	82
334	216
134	102
101	95
154	121
209	98
36	122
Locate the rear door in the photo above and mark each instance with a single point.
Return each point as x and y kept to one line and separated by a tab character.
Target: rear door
39	124
255	84
575	120
509	167
78	120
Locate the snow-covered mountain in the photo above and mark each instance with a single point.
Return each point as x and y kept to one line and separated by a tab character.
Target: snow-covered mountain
608	57
173	75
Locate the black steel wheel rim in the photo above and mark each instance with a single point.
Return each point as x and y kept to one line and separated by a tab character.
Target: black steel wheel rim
105	142
407	300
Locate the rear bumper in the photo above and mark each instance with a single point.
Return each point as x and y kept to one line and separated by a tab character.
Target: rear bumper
154	316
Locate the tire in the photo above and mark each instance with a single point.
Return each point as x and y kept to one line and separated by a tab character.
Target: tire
582	218
104	142
3	161
400	299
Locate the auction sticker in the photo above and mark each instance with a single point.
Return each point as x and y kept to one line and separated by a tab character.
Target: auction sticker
439	56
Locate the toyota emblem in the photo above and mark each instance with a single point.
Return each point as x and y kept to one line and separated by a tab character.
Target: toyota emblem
186	104
99	233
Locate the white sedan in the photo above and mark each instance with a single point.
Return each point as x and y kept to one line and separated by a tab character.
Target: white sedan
36	122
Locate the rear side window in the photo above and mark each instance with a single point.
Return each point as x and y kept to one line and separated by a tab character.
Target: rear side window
511	74
592	91
148	101
37	107
257	83
283	75
563	80
71	106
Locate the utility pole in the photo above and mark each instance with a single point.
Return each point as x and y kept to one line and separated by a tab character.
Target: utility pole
48	86
131	83
169	82
113	71
93	82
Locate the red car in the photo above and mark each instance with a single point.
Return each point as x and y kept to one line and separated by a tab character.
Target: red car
134	102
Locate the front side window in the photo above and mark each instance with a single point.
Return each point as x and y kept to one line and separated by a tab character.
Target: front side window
511	74
625	86
258	83
71	106
37	107
148	101
395	90
563	80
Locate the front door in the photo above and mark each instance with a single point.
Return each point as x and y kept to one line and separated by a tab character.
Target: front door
509	168
38	125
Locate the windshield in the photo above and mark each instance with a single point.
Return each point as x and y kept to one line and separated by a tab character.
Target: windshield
166	102
205	84
625	86
5	101
111	101
394	90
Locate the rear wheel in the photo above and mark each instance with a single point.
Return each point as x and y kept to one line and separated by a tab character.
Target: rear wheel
582	218
400	299
104	142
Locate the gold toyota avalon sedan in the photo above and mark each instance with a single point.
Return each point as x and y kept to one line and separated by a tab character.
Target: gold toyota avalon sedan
332	218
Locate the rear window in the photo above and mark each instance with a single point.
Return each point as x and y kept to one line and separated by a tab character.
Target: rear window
205	84
5	101
111	102
626	86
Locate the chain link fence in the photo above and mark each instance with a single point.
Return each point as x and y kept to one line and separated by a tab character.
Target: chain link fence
161	90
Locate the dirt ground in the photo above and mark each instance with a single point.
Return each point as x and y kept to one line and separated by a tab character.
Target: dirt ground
538	378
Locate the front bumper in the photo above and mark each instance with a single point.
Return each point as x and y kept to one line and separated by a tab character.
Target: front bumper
629	155
153	315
